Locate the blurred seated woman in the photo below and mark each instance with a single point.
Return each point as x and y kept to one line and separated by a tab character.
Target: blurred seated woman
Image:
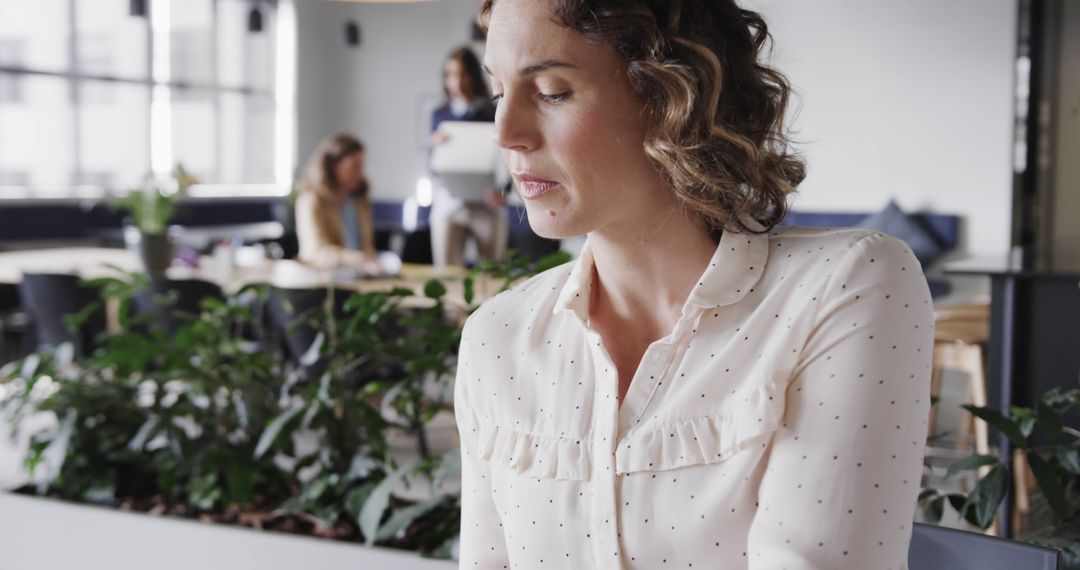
334	183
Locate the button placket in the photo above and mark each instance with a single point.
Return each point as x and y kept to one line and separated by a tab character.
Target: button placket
604	521
655	365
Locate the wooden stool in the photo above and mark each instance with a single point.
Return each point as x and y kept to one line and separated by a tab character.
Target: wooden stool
960	336
961	333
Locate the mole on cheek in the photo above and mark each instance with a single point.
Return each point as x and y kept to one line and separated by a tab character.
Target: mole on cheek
551	213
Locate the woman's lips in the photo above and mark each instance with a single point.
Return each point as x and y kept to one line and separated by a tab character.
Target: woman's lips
532	187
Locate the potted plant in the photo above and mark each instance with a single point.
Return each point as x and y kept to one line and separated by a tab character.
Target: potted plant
151	206
1047	456
211	422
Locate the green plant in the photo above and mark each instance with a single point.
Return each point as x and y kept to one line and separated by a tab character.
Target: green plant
210	420
513	269
371	367
154	202
1051	448
206	422
147	415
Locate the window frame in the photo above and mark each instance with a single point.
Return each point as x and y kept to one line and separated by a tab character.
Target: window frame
75	79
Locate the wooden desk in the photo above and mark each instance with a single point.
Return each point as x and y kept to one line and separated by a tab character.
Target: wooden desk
90	263
85	262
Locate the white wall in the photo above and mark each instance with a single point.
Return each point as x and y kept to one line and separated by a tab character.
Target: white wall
908	99
377	90
1066	247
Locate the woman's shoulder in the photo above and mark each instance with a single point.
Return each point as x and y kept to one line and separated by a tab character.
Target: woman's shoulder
815	261
836	244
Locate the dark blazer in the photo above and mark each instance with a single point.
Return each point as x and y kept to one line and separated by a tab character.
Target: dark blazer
443	113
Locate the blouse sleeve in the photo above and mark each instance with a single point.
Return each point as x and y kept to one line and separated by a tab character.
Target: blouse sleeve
840	485
482	543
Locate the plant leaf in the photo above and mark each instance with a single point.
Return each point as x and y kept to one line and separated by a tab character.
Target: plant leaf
1050	484
958	502
147	430
355	499
273	428
1006	426
935	510
434	289
1050	421
374	507
1069	458
985	499
971	462
362	465
311	355
55	453
29	366
402	518
470	291
204	491
1027	425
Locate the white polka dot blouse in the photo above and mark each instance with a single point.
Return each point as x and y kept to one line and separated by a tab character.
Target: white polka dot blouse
781	424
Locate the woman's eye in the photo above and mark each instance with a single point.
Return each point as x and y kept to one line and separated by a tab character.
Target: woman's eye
555	97
495	99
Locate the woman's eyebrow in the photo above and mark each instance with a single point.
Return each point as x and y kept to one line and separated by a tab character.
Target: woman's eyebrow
538	67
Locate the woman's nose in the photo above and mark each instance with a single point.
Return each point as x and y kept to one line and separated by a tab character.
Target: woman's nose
516	126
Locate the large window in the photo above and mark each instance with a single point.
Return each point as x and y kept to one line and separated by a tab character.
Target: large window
94	97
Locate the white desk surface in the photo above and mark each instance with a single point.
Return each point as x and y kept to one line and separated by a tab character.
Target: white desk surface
89	263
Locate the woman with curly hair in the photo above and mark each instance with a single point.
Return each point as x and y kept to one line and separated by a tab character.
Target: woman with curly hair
700	389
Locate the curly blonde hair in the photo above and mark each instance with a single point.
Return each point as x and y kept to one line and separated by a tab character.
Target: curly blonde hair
717	111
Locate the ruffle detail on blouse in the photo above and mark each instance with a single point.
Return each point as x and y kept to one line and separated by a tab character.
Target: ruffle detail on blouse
705	439
544	457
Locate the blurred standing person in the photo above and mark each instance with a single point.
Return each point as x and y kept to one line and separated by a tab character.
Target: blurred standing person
334	189
454	219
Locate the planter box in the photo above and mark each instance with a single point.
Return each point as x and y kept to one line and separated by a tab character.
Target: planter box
45	534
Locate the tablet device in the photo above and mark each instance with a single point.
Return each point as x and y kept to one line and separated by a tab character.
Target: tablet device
466	162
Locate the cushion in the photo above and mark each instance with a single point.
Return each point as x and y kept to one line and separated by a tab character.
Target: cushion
893	221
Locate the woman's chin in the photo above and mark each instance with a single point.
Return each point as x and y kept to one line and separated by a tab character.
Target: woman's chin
550	224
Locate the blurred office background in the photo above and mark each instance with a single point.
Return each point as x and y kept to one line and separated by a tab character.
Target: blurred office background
957	121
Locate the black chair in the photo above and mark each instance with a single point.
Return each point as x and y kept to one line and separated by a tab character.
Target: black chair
50	299
172	302
940	548
417	247
15	329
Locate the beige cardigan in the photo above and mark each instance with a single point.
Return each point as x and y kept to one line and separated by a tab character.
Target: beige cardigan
321	232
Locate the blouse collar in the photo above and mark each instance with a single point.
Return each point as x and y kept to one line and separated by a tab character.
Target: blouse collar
735	267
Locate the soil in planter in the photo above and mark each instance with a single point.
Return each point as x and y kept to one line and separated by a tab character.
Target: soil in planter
422	536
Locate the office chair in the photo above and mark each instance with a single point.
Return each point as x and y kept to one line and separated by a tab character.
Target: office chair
50	298
939	548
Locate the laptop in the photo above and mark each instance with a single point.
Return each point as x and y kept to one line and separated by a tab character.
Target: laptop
466	163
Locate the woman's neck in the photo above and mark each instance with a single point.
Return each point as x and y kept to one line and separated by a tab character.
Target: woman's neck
646	275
